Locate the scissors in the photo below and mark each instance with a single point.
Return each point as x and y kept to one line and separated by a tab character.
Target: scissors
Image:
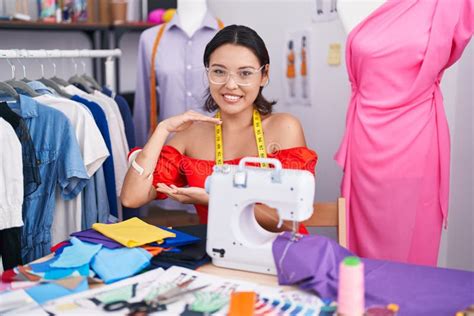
136	308
175	294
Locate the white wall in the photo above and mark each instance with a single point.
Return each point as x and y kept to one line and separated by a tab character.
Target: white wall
457	249
324	120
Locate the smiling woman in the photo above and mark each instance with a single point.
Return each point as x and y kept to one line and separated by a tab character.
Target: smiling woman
237	64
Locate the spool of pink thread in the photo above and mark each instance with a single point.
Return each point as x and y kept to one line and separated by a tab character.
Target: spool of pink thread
156	16
350	296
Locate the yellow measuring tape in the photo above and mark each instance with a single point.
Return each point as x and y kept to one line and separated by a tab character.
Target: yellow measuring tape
259	138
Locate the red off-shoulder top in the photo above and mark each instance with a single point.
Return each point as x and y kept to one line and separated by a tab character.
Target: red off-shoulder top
175	168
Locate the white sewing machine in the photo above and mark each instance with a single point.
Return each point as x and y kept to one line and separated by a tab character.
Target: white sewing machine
234	238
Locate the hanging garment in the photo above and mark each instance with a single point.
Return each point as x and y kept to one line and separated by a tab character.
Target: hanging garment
11	177
10	247
61	167
178	169
31	175
109	173
11	195
95	205
395	151
116	130
68	214
126	114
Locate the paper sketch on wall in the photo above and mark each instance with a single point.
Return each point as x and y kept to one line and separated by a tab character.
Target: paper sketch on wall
324	10
297	68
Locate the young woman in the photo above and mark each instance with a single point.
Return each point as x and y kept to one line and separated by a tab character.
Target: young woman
237	65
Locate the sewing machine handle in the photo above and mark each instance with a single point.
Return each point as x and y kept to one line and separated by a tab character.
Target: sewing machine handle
271	161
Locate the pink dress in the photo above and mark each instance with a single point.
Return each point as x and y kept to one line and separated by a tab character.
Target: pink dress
396	149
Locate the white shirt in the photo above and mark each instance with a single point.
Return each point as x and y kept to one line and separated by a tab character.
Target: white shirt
116	129
11	177
68	214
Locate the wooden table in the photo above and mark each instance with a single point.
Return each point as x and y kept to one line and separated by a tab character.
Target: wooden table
260	278
209	268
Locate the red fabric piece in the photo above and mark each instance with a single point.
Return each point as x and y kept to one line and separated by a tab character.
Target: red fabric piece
180	170
8	276
60	245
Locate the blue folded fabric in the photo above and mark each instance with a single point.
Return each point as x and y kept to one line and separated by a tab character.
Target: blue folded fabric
116	264
181	239
78	254
50	291
43	266
61	273
46	271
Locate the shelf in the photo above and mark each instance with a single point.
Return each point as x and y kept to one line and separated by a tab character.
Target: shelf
136	26
34	25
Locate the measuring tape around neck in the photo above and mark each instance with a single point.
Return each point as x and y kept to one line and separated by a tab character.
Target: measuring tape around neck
259	138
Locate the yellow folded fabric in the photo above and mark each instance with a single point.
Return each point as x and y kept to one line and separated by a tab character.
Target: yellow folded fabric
133	232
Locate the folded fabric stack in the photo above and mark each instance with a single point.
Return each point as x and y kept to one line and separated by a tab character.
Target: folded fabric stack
110	252
189	255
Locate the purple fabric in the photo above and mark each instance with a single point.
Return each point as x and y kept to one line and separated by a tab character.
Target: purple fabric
95	237
418	290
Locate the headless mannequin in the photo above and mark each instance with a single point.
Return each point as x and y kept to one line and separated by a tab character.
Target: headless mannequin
352	13
191	13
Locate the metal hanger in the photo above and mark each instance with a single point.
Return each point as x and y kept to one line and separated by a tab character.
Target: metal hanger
20	85
95	85
76	79
24	79
55	78
53	85
7	89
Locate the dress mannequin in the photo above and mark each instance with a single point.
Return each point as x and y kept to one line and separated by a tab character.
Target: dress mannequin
178	68
352	13
395	150
191	14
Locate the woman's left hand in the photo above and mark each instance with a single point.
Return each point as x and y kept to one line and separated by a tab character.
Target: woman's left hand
190	195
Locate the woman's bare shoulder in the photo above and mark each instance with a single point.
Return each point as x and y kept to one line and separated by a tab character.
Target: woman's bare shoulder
284	129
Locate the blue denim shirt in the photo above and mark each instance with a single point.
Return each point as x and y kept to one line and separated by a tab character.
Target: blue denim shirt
61	169
95	206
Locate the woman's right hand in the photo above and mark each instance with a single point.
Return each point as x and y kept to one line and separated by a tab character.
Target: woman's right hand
181	122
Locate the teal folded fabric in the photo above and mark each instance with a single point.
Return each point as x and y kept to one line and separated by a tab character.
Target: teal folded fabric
76	255
116	264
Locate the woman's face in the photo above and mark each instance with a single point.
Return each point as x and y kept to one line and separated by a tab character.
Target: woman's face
242	66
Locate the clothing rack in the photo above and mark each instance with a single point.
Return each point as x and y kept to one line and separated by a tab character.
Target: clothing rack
109	54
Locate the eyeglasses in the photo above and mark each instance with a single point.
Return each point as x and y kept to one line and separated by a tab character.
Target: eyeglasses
244	77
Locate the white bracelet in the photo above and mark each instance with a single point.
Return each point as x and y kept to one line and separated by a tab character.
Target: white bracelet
135	165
